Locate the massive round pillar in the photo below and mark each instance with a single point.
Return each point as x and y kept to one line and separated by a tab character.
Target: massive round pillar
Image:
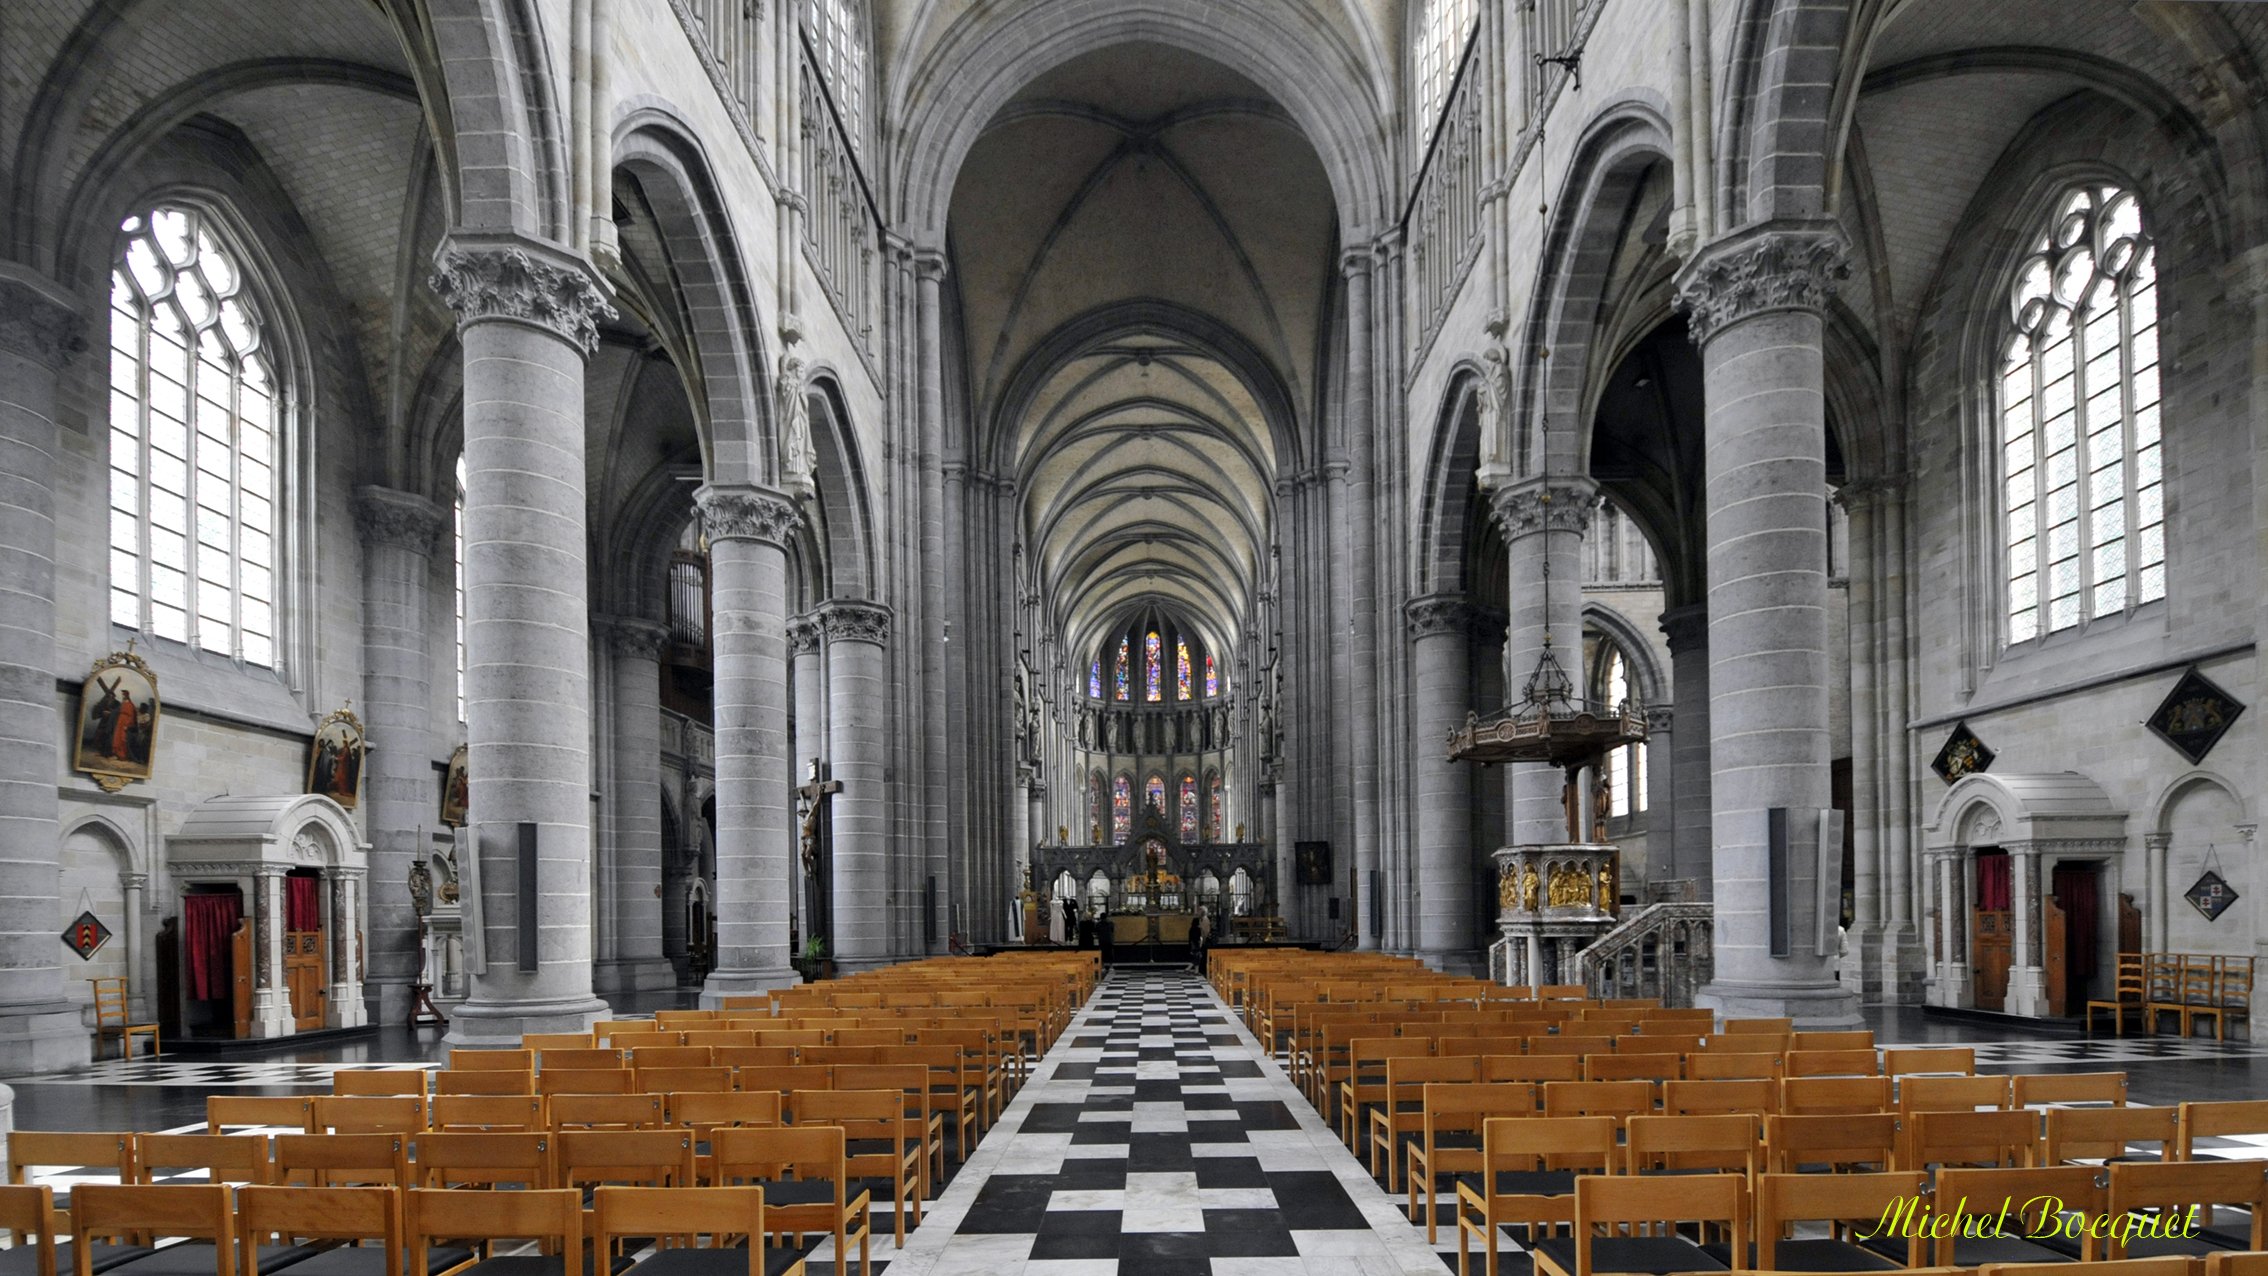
1441	626
858	641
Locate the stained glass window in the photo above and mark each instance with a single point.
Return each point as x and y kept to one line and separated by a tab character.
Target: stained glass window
1121	808
1153	793
1181	672
1153	667
1188	808
1215	808
1212	677
1122	673
195	422
1098	805
1094	679
2082	497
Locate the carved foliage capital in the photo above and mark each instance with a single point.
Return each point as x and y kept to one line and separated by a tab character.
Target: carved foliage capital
1544	505
746	513
1687	628
855	620
402	519
39	320
804	634
635	637
1432	615
1774	266
523	281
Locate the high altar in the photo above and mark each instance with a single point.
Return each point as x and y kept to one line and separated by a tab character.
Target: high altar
1150	886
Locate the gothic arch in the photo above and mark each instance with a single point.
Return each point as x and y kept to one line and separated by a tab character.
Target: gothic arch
1645	672
2181	786
844	518
1447	504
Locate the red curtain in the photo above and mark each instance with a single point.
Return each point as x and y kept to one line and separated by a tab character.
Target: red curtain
1993	884
2082	907
207	921
303	909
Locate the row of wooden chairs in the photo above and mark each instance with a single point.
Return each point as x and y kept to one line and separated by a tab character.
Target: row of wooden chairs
2189	988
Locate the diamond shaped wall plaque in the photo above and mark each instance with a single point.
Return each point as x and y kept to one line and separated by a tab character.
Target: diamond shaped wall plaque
2195	715
2211	895
1963	754
86	935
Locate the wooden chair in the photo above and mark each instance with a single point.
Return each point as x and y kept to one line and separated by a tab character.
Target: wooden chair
1684	1144
720	1038
107	1152
2234	992
485	1160
367	1114
805	1174
1931	1060
1449	1141
1952	1094
670	1056
260	1113
632	1158
1842	1201
139	1213
2215	1119
2173	1189
484	1081
1758	1098
2000	1140
543	1041
1364	1086
225	1158
1640	1218
2106	1134
378	1081
1843	1062
2201	994
1838	1141
1398	1120
2079	1189
703	1112
624	1218
872	1123
1527	1178
1533	1069
1618	1099
552	1218
1834	1096
343	1160
608	1112
113	1018
348	1217
957	1087
1721	1065
2130	993
492	1113
926	1128
27	1216
584	1081
2162	976
2032	1089
463	1059
1774	1027
578	1057
1651	1068
1834	1039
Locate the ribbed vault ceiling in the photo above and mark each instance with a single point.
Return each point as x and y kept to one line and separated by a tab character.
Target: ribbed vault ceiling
1142	244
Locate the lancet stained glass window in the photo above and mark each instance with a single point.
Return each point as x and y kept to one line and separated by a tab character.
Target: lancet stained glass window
1153	793
1122	672
1212	677
1214	810
2082	493
194	427
1188	807
1094	679
1181	671
1121	808
1153	670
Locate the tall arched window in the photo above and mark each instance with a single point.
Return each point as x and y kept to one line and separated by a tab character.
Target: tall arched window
458	540
1094	679
1183	685
1215	812
1098	804
1153	793
1121	808
1188	821
1153	667
1212	677
838	35
1441	37
1626	766
194	442
2082	497
1122	671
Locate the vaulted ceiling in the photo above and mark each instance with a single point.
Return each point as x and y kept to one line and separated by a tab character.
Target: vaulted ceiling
1142	242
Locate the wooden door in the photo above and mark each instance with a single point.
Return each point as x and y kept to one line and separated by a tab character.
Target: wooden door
303	977
2129	925
2055	961
240	977
1991	952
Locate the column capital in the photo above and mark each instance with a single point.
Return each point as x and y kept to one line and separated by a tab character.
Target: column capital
746	512
1660	717
1866	493
1359	259
1776	265
134	881
1038	788
1687	628
386	516
929	263
39	318
1562	504
804	633
633	636
518	279
855	620
1433	615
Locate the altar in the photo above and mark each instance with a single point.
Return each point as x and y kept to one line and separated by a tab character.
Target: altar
1149	889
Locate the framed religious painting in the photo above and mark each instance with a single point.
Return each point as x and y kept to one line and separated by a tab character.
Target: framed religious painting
335	757
118	718
456	790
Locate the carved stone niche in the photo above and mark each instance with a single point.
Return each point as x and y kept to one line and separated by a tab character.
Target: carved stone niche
254	844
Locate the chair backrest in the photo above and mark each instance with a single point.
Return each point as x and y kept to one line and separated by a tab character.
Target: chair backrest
2027	1195
861	1114
258	1112
625	1032
624	1217
1706	1098
141	1212
703	1112
737	1057
1576	1046
608	1111
646	1158
1773	1027
343	1160
1618	1202
379	1081
1828	1096
669	1056
502	1113
553	1218
368	1114
580	1058
69	1149
803	1076
1725	1065
810	1152
1852	1062
484	1081
2220	1119
2173	1187
1951	1094
680	1080
720	1038
545	1042
585	1081
1722	1142
109	1001
2030	1088
485	1160
2104	1134
1617	1099
225	1158
1793	1142
27	1215
1623	1066
1951	1060
295	1214
463	1059
1835	1039
1862	1199
2006	1139
1535	1069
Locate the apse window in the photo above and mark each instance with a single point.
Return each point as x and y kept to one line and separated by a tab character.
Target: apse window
2082	485
195	413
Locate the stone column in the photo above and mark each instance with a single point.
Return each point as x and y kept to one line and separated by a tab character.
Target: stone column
40	1028
347	1009
139	961
634	823
858	640
1661	795
271	1001
1543	520
1440	627
1355	538
748	530
808	685
1688	631
2027	983
400	531
527	315
1754	301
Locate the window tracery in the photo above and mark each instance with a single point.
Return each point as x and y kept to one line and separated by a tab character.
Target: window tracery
1442	35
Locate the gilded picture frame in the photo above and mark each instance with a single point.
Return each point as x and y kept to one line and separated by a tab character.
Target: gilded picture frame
335	758
119	709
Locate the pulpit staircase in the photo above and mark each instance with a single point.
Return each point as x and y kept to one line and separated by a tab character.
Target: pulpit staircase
1665	950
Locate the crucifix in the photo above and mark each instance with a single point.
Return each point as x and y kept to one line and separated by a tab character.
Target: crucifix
811	804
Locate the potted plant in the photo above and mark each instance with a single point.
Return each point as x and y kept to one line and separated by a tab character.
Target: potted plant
815	965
